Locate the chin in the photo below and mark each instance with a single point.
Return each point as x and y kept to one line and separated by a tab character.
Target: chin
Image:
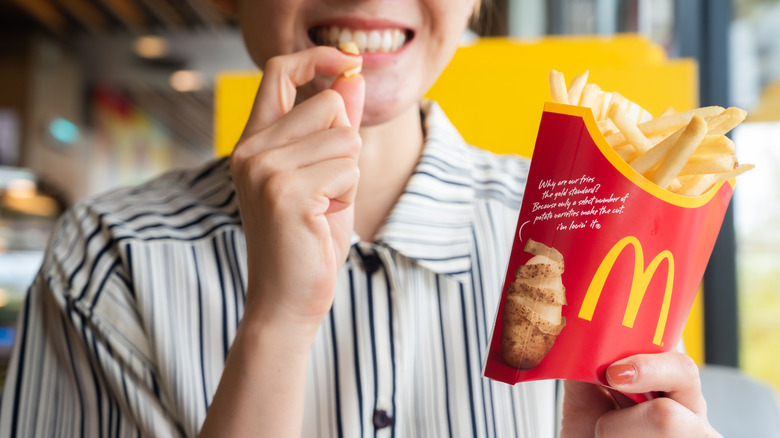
384	105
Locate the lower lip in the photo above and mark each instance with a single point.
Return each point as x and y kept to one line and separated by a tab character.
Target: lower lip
381	59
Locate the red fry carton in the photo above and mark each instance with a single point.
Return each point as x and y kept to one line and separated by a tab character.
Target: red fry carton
604	264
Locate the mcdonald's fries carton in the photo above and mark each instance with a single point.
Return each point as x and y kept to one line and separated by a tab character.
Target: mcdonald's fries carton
604	264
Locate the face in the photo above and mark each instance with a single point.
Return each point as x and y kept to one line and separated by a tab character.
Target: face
405	43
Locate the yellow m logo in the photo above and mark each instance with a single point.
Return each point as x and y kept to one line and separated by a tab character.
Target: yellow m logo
639	283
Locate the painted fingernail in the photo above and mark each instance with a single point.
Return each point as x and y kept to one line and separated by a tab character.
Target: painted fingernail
622	374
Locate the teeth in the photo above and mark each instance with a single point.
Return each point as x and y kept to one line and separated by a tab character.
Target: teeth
361	40
345	36
386	40
374	41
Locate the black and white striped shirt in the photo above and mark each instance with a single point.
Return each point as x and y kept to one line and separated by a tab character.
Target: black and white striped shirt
126	329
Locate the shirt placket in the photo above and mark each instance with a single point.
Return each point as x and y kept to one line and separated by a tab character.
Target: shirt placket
379	267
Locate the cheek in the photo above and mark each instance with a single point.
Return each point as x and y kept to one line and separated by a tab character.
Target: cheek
265	37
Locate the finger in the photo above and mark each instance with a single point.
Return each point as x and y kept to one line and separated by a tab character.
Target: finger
583	404
353	91
322	111
659	418
283	74
673	373
319	113
338	142
332	184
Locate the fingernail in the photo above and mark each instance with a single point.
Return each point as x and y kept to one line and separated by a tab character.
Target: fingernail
622	374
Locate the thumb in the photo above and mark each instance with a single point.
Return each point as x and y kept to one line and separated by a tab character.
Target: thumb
353	91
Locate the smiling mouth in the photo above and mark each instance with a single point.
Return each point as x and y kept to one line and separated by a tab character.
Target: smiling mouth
367	41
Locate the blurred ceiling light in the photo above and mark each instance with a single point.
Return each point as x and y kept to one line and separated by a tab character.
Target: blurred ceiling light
3	297
187	80
151	46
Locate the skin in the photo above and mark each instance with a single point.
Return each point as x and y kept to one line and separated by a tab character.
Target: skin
321	156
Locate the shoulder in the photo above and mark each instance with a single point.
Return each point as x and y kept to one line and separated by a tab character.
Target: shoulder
180	204
185	205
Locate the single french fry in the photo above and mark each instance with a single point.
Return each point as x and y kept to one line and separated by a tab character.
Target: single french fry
628	128
673	122
675	185
739	170
350	47
558	91
653	157
669	123
655	140
621	100
668	111
697	185
576	88
715	144
616	139
607	127
726	121
627	152
700	184
589	95
678	155
598	106
709	164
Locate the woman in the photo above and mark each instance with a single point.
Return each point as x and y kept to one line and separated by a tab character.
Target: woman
159	305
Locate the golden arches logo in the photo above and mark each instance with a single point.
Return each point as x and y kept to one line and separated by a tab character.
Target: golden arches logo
639	283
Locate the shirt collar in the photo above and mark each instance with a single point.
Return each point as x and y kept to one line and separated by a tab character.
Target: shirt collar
432	220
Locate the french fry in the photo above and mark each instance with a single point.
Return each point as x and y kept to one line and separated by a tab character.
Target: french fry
607	127
651	158
598	107
576	88
675	185
615	139
678	156
589	96
350	47
669	123
686	153
709	164
668	111
726	121
558	87
629	129
700	184
716	144
627	152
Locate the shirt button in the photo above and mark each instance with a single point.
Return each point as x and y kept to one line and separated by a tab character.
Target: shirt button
371	263
382	418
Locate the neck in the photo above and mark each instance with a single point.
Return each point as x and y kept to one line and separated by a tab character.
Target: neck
387	160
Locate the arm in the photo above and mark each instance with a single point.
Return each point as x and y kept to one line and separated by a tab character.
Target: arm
69	374
295	172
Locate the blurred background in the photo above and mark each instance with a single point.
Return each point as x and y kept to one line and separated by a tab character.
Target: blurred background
96	94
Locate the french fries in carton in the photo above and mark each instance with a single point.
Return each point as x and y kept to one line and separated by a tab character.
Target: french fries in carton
619	218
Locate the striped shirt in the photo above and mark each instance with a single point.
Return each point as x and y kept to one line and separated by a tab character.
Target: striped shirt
126	329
